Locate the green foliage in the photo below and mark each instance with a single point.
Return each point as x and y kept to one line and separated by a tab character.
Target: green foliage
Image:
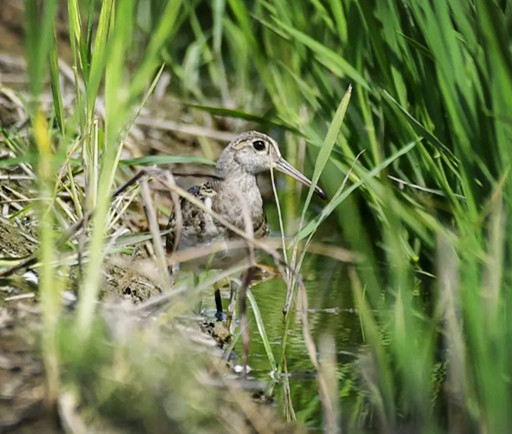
435	76
426	203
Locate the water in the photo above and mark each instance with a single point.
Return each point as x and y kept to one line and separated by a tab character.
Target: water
330	311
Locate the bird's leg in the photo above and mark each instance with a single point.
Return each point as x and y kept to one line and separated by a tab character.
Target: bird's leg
244	322
219	315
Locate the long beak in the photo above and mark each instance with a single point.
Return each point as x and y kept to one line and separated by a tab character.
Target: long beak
283	166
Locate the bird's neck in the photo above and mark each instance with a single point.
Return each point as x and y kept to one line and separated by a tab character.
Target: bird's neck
235	177
238	194
239	180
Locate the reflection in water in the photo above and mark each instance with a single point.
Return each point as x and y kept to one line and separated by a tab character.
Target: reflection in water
330	311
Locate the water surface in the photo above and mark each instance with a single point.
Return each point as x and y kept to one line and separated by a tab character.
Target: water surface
330	311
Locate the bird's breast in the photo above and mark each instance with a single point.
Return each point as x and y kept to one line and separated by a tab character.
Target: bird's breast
241	208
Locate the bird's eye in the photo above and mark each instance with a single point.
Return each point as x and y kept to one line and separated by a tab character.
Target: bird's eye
259	145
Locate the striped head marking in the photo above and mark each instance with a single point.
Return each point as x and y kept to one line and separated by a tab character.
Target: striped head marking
253	152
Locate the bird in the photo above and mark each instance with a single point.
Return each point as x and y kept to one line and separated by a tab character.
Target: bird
233	194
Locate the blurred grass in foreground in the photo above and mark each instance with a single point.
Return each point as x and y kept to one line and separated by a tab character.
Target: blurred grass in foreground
430	195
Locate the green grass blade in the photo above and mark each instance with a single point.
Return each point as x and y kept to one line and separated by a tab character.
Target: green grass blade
39	41
150	160
327	146
261	330
55	85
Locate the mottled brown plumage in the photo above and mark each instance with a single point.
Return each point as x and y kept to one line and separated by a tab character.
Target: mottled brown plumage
233	194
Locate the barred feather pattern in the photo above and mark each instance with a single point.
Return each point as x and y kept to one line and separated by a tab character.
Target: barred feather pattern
200	228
